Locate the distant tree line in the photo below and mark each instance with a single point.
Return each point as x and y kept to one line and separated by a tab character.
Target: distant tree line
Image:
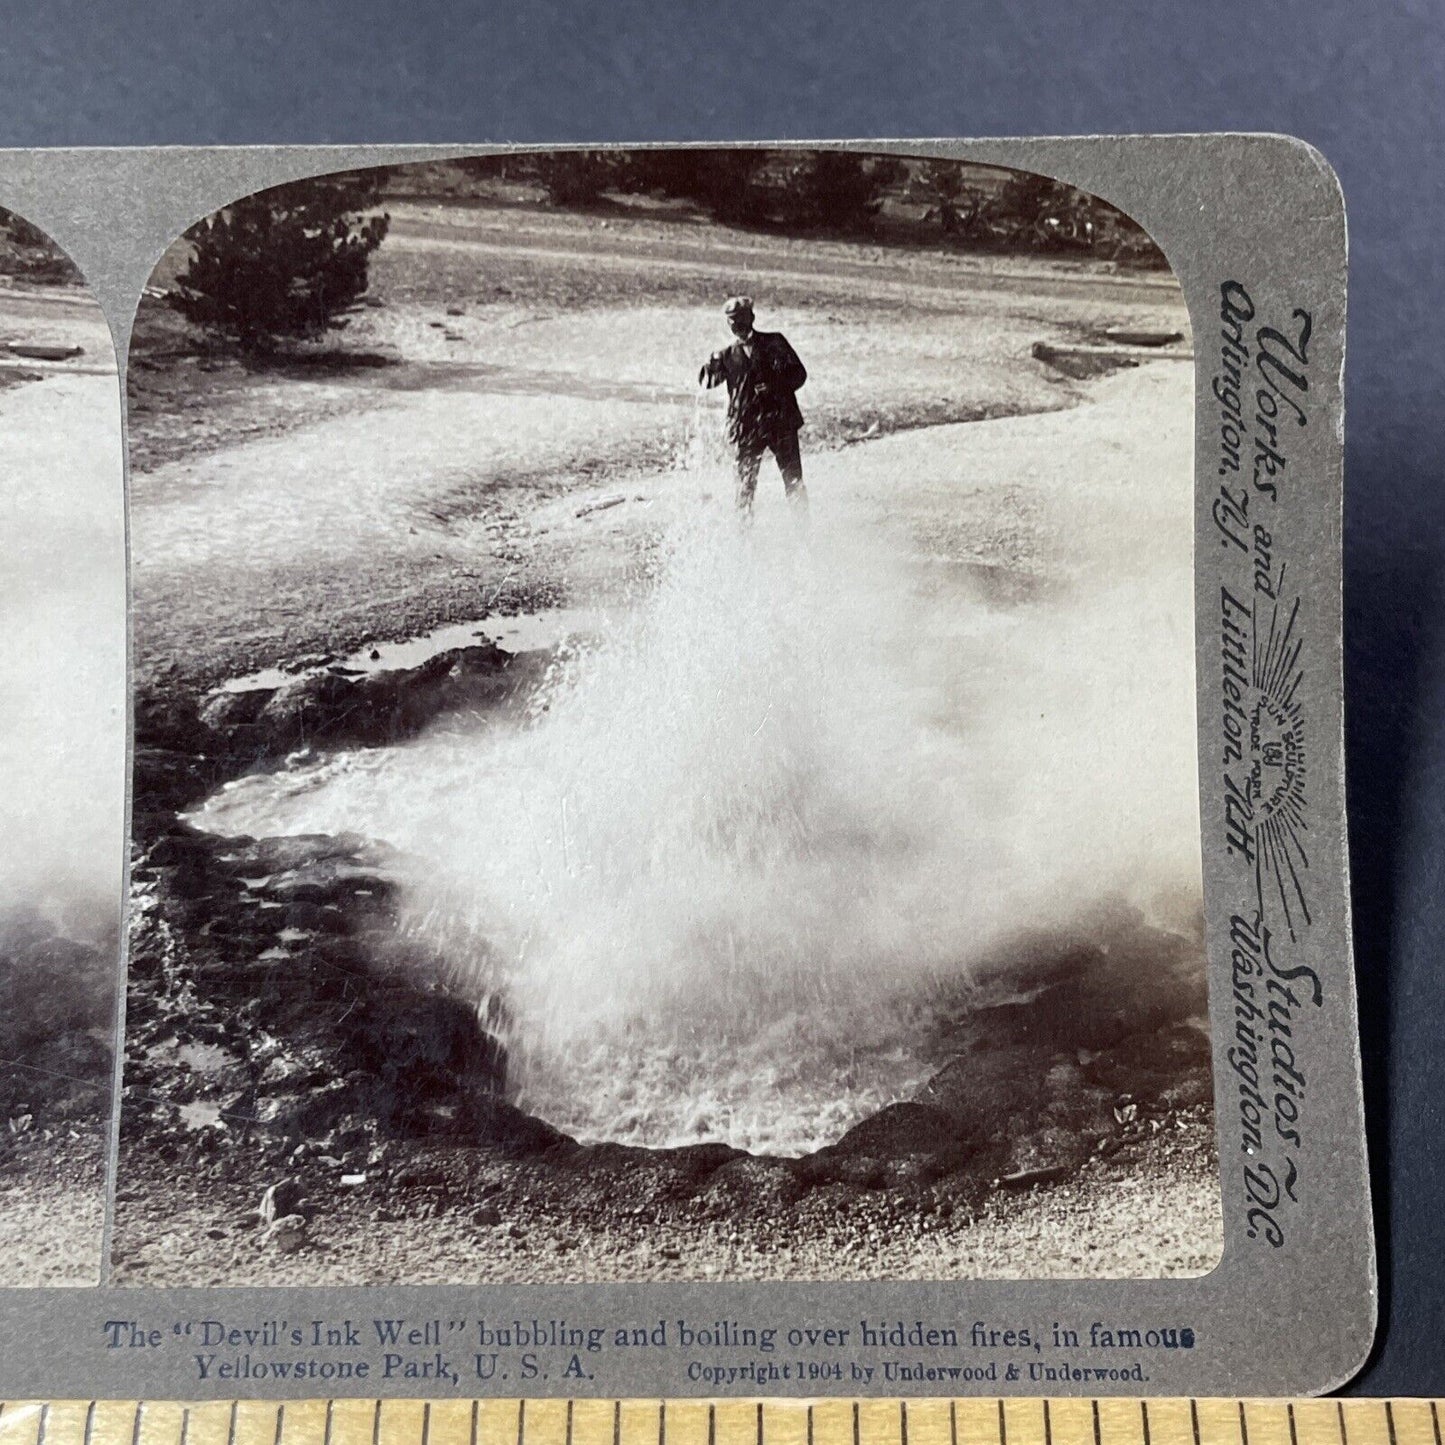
822	189
840	192
833	190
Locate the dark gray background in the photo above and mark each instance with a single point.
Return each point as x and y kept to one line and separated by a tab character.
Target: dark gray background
1366	84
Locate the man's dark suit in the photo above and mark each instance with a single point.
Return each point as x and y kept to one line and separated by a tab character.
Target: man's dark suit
762	374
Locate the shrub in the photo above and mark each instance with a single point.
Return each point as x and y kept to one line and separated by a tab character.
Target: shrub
730	185
959	209
577	178
1047	214
838	189
287	263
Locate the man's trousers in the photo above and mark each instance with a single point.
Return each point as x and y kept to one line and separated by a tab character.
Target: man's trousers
784	447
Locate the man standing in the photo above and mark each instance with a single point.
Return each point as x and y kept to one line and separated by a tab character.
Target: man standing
762	373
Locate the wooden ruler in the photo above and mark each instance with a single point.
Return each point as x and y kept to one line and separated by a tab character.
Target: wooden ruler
724	1422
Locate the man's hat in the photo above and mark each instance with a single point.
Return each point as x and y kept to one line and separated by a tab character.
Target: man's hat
739	306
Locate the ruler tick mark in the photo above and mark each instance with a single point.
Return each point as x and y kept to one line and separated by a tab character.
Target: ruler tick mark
522	1423
426	1423
1390	1422
1093	1403
1435	1421
857	1432
1143	1418
280	1422
1048	1426
1003	1427
1344	1434
902	1422
1293	1432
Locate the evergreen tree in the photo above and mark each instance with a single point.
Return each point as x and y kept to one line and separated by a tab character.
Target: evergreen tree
284	264
730	185
578	178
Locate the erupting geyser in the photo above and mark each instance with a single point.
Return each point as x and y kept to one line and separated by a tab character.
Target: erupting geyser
744	846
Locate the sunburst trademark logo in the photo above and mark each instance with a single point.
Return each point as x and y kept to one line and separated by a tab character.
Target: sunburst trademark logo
1265	753
1277	764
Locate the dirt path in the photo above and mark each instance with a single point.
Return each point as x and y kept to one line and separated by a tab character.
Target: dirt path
893	276
641	228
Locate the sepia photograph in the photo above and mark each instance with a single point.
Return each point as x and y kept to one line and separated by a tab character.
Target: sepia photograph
665	738
62	751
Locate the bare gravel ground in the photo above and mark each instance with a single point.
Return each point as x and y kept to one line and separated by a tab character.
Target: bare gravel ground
52	1211
1149	1211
